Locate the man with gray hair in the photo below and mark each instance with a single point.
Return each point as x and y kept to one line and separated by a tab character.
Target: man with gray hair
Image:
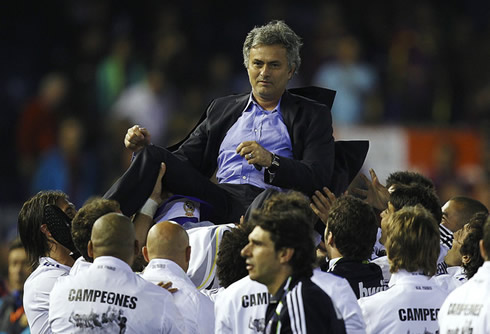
108	296
270	137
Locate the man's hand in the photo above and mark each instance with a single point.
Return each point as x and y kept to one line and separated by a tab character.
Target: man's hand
158	194
167	286
321	204
137	138
254	153
376	194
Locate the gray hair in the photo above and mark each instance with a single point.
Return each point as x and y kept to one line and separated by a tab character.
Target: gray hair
274	32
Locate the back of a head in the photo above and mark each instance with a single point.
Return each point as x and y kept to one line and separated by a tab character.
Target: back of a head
167	240
81	226
413	240
408	178
113	235
411	195
354	227
273	33
468	207
290	229
283	202
30	219
470	249
230	265
486	238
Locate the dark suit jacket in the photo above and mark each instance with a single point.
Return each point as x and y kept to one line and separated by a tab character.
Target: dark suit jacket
309	124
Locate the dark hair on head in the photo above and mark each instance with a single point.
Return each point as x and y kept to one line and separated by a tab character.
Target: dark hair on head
468	207
281	202
82	223
411	195
31	217
353	225
230	265
408	178
471	244
290	229
486	237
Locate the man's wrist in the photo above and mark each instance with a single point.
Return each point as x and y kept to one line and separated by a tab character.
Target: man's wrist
275	162
150	208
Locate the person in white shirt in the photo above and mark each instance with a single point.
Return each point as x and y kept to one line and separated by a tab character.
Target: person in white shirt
241	306
46	243
467	308
81	228
168	254
109	296
402	195
412	302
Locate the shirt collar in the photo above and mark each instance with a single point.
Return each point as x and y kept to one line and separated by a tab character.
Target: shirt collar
332	263
402	276
164	264
251	101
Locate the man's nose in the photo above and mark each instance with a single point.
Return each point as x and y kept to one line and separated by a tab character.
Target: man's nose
244	251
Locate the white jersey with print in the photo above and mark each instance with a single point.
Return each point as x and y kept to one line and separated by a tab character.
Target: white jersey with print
410	305
109	298
241	307
79	265
204	242
37	288
467	308
196	308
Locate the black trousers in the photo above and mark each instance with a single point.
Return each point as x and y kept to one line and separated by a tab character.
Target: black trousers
132	189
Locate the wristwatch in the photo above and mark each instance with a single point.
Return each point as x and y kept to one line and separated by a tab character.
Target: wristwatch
274	164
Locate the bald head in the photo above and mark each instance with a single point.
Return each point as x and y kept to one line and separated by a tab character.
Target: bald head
113	235
168	240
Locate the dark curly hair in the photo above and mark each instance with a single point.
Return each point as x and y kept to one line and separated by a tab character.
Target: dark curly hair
82	223
408	178
471	244
411	195
230	265
354	227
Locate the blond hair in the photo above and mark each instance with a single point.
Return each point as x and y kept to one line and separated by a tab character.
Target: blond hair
413	240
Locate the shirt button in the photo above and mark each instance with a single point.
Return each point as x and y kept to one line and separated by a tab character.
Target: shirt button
255	130
244	177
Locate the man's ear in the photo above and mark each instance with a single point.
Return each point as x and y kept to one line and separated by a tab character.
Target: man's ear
44	230
330	240
136	247
90	249
188	254
483	251
145	253
291	72
285	254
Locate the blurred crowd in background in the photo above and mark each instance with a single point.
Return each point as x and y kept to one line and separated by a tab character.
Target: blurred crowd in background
77	74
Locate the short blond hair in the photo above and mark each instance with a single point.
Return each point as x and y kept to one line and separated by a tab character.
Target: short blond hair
413	240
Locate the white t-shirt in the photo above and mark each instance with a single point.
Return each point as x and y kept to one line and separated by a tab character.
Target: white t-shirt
37	288
410	305
204	242
241	307
109	298
79	265
467	308
196	308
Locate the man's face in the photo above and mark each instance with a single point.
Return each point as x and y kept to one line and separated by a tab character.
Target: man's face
450	216
385	216
67	207
268	72
18	268
261	257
